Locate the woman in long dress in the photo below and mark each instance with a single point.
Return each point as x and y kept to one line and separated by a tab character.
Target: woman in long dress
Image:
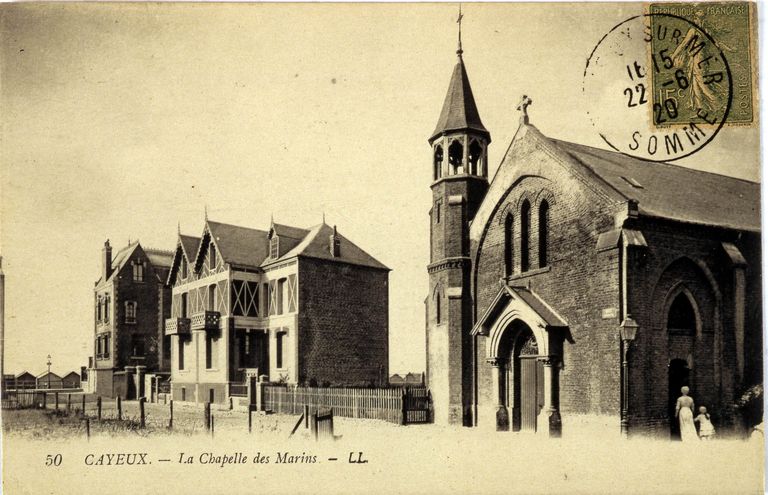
684	412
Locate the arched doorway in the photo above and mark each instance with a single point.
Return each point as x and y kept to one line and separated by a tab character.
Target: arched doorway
679	377
526	376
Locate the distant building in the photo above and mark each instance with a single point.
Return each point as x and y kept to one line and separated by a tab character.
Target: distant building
131	303
49	380
25	380
297	305
396	380
9	382
71	380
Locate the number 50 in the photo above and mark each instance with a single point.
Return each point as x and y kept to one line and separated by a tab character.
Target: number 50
53	460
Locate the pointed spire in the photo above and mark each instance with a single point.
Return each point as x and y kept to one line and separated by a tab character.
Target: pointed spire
206	212
323	218
459	109
459	51
178	227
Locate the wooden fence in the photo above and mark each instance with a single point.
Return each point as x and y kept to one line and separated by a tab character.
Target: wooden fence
396	405
15	399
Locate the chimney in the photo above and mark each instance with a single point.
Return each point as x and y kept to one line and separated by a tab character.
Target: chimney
106	261
334	244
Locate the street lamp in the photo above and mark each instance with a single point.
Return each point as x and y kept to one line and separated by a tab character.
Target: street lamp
628	333
49	371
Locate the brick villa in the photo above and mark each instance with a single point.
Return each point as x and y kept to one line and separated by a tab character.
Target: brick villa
297	305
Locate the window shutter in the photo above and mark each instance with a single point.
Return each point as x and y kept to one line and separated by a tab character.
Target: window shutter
292	293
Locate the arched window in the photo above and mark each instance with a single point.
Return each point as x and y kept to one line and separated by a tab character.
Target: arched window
525	235
681	318
438	163
456	158
130	312
475	158
212	256
509	247
543	233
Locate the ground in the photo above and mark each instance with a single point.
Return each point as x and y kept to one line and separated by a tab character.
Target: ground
400	459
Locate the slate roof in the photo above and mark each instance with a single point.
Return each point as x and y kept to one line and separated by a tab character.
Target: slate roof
459	108
672	191
240	246
189	244
159	258
315	244
249	248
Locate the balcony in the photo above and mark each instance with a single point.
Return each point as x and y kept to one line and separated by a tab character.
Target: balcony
208	320
177	326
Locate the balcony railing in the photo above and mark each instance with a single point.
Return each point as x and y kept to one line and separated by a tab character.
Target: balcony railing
209	320
177	326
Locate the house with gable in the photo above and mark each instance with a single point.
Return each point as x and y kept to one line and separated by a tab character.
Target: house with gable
131	303
295	305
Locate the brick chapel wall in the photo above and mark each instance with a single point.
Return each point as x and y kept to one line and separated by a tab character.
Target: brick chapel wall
343	323
579	282
692	256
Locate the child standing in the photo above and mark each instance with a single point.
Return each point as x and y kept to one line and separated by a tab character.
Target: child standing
706	428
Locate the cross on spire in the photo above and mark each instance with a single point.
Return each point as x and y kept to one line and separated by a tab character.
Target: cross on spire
523	108
458	21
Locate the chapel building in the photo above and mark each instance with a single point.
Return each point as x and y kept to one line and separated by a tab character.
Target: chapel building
579	286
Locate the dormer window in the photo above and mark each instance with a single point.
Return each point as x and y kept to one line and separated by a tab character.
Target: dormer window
274	246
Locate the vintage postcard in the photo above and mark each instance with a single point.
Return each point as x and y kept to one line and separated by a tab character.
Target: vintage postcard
381	248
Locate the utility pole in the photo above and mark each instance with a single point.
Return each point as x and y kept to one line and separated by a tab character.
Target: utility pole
49	371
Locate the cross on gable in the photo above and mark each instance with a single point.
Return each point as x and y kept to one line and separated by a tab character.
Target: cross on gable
523	108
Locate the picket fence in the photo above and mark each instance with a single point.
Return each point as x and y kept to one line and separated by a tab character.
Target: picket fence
396	405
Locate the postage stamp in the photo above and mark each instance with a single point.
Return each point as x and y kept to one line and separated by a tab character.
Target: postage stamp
658	87
729	24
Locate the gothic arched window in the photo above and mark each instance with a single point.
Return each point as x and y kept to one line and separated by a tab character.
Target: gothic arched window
438	163
509	248
456	158
525	235
682	317
543	233
475	158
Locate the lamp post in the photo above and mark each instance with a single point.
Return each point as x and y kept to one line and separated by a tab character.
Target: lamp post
628	333
49	371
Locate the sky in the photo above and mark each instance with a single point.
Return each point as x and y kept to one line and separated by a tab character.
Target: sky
123	121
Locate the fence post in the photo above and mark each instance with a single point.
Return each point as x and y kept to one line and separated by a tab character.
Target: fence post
88	428
170	421
260	393
98	407
83	405
56	398
306	416
69	402
119	408
207	415
331	425
250	418
404	407
142	423
45	400
212	426
314	425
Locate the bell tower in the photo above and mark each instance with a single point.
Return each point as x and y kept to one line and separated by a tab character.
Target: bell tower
459	183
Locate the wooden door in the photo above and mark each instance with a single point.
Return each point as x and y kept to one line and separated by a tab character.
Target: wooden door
531	391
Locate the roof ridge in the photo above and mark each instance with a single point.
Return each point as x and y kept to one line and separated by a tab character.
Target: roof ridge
652	162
